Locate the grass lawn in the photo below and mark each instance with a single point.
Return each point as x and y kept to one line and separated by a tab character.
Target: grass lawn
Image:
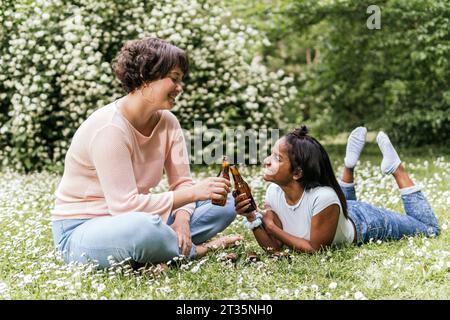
413	268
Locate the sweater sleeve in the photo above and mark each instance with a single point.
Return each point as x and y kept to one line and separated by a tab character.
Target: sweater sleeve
110	153
177	166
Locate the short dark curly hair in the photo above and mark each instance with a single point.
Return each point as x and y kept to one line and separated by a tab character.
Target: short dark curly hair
148	59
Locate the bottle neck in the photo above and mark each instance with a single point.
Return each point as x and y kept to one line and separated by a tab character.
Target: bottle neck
236	176
238	180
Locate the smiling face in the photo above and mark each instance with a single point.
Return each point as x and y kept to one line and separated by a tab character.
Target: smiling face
277	167
163	92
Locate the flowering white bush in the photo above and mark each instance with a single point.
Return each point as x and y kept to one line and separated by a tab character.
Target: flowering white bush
55	69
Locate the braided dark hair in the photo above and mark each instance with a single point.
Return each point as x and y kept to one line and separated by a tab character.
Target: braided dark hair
307	155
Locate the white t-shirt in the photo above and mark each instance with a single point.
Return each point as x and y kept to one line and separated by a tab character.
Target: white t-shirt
296	219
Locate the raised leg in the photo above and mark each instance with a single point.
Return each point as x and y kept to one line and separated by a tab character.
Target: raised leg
355	144
347	184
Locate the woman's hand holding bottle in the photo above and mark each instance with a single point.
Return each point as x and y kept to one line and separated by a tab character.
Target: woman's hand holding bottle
242	204
212	188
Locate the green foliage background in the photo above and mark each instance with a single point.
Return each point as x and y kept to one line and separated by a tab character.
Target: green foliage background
55	55
396	78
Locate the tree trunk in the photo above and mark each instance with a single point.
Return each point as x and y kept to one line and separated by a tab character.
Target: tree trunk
308	56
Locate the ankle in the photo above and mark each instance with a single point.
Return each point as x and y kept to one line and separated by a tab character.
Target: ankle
346	184
349	181
399	172
402	178
348	175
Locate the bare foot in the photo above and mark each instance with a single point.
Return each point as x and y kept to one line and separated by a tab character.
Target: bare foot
219	243
228	257
224	242
154	269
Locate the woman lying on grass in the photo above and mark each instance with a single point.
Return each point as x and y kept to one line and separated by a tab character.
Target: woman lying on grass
307	209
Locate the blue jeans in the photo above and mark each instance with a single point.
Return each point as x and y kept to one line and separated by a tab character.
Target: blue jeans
373	223
140	237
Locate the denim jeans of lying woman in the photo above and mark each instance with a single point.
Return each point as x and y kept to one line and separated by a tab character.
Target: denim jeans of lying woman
137	236
373	223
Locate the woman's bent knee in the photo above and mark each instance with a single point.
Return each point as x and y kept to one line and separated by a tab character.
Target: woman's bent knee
152	240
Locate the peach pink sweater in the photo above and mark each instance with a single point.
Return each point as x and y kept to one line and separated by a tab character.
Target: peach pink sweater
110	167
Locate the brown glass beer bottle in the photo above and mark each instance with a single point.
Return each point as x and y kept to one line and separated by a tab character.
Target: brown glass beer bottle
224	173
242	187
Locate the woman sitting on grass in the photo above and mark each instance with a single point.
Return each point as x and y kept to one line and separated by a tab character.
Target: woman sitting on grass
307	209
103	209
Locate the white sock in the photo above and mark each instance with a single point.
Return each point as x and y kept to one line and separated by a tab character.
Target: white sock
391	160
355	144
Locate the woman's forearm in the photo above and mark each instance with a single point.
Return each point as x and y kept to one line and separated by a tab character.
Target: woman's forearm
182	197
295	243
265	240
